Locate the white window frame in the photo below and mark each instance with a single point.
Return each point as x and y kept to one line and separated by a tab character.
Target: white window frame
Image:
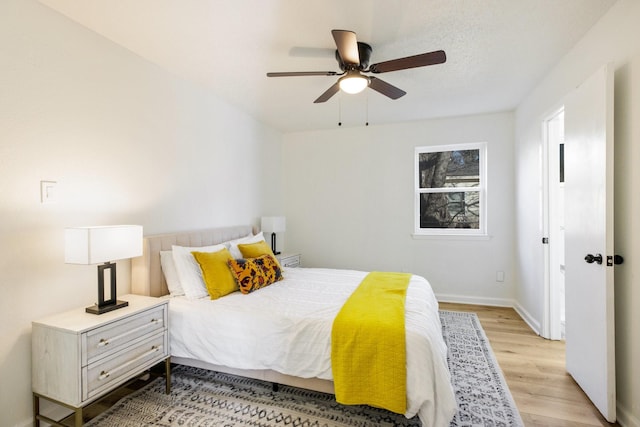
481	189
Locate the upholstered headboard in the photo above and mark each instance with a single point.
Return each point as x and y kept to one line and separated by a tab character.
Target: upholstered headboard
146	272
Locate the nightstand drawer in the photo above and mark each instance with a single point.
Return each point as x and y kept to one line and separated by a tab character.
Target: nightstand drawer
120	366
110	338
289	260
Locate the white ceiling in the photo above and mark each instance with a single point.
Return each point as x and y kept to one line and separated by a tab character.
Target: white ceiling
497	50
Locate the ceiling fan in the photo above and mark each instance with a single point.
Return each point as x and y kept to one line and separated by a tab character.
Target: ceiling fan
353	58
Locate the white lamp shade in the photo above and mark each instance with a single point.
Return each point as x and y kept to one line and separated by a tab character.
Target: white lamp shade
273	224
95	245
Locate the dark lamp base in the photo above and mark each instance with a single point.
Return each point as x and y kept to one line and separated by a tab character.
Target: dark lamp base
95	309
273	244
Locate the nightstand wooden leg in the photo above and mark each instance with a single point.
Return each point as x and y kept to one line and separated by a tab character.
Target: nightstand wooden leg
78	417
36	410
167	373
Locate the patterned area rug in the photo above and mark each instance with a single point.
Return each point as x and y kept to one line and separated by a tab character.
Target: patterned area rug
202	398
482	394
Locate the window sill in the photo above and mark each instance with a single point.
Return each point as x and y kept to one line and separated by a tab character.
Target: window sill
451	237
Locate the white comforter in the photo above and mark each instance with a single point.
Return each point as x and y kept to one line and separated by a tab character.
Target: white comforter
286	327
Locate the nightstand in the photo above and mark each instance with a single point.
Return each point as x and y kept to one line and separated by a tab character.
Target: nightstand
79	357
289	260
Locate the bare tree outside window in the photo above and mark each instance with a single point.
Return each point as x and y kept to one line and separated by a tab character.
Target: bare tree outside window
450	188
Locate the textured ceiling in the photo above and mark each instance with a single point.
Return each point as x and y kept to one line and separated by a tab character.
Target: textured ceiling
497	50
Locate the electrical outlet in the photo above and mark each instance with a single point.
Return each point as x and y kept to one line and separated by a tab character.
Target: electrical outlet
499	276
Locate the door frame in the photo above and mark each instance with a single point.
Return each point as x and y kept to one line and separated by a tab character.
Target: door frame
551	328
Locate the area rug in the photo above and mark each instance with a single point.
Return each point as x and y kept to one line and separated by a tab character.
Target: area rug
201	398
482	393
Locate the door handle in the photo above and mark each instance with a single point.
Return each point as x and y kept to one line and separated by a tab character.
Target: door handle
590	259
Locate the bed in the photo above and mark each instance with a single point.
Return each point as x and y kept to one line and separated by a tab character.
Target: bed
289	341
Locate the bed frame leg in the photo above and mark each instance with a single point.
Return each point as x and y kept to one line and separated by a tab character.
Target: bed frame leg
275	386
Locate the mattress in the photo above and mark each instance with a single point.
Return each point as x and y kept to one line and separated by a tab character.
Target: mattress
286	327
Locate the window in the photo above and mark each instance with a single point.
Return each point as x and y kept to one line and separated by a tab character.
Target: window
450	187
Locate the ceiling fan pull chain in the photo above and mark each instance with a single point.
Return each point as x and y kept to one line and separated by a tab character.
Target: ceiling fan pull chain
340	111
366	123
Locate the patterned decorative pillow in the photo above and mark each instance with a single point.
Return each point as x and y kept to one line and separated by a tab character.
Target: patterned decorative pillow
254	250
255	273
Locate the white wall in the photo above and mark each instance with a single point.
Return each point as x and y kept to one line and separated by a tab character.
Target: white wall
615	38
127	143
349	204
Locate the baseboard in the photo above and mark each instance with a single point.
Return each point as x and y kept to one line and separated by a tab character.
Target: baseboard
625	417
462	299
496	302
528	318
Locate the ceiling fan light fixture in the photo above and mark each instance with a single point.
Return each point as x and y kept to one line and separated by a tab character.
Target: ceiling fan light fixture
353	82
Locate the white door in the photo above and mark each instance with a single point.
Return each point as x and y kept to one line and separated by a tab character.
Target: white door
590	357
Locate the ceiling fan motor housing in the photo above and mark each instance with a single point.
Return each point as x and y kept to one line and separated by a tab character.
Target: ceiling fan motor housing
364	51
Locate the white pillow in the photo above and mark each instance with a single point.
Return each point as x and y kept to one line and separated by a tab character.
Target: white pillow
233	244
188	269
170	273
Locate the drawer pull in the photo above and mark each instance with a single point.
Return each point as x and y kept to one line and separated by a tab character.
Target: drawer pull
105	341
106	374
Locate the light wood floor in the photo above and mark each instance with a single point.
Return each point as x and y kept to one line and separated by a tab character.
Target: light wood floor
534	370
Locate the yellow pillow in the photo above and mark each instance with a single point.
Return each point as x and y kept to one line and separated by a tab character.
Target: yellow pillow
254	250
215	272
255	273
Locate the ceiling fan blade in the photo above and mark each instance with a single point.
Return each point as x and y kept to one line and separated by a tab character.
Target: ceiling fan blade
385	88
328	93
424	59
302	73
347	44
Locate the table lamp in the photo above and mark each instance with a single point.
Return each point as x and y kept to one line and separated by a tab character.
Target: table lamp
273	225
102	245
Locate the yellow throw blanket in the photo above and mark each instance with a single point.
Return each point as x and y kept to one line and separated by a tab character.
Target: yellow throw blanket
368	350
